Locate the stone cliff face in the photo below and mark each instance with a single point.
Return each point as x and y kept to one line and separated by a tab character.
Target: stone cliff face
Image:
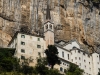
73	19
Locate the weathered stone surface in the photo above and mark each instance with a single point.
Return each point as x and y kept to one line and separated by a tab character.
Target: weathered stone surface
76	20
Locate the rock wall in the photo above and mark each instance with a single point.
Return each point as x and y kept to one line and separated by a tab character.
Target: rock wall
73	19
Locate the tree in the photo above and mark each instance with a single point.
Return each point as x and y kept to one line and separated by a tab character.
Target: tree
7	61
52	55
98	73
74	70
42	69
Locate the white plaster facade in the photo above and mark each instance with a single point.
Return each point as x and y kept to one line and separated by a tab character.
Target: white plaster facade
33	46
28	46
72	53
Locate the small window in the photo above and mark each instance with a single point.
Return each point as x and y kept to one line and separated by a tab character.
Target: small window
84	60
89	62
68	56
22	36
83	53
38	46
78	51
47	26
75	58
22	43
61	69
85	66
65	70
72	60
38	39
22	50
23	57
97	62
50	26
62	54
79	58
39	54
90	69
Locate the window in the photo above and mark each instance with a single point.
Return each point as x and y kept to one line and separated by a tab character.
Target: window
90	69
78	51
22	50
38	39
79	58
97	62
68	56
50	26
23	57
75	58
22	43
85	66
47	26
83	53
61	69
22	36
62	54
84	61
89	62
38	46
39	54
89	56
80	64
65	70
72	60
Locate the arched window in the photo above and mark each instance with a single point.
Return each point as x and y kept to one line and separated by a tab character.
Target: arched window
50	26
61	69
47	26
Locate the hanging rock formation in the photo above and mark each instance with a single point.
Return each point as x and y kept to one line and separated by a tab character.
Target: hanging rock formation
73	19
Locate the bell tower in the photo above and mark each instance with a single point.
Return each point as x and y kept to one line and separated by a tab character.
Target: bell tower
48	28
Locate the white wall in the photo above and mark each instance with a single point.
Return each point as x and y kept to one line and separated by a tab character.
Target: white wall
30	46
96	63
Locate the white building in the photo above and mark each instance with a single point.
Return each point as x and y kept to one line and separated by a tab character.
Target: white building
32	46
28	46
72	53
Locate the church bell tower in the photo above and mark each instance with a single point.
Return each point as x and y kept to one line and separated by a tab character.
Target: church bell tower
48	28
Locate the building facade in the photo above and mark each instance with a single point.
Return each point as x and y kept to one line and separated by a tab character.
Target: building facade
28	46
72	53
32	46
